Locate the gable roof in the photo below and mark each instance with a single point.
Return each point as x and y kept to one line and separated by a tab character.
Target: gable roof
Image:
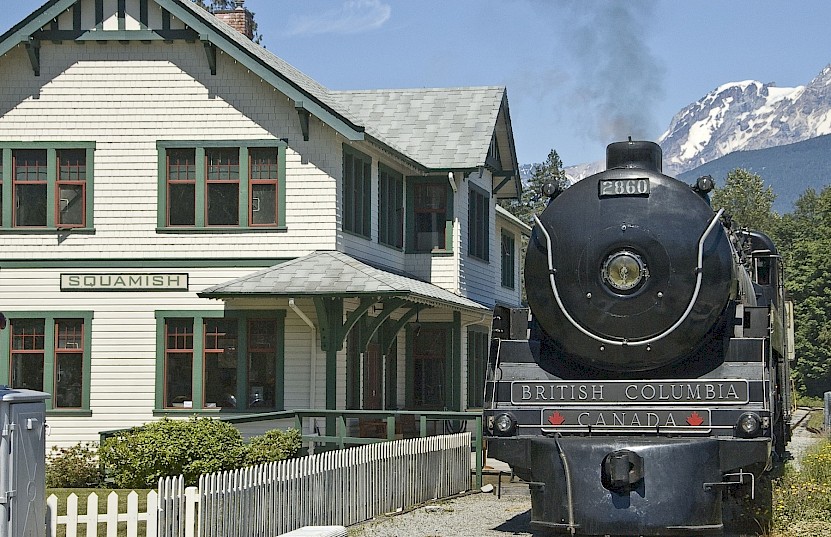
408	122
442	128
327	273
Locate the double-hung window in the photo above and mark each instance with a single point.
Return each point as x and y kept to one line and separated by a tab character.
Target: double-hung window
430	207
390	207
222	185
357	192
46	186
49	352
508	260
213	362
477	359
478	223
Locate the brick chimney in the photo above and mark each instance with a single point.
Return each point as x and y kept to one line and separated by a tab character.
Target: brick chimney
239	18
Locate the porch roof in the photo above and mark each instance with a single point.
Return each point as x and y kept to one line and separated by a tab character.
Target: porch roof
332	273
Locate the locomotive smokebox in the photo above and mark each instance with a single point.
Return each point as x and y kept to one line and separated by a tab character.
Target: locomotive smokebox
634	154
632	270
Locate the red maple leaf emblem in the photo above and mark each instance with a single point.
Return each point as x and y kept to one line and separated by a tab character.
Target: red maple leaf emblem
556	418
695	420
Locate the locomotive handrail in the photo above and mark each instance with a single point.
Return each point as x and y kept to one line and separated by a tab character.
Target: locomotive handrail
699	271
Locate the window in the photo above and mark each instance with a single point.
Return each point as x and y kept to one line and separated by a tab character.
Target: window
46	186
430	350
72	177
431	225
264	176
50	353
478	224
30	187
222	188
235	184
210	362
390	207
477	359
508	260
357	192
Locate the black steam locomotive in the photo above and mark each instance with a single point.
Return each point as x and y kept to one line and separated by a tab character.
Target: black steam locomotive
653	377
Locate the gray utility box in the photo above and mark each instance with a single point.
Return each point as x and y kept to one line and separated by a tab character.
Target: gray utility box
22	463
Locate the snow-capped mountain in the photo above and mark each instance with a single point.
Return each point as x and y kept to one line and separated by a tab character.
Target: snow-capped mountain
738	116
744	116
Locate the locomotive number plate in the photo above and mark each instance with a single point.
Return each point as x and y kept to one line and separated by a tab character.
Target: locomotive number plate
624	187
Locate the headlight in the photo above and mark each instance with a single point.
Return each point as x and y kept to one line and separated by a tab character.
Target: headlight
624	270
749	425
504	425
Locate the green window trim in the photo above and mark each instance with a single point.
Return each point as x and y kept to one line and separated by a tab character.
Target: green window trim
7	188
477	356
390	207
478	224
198	316
357	193
508	260
162	147
410	237
49	318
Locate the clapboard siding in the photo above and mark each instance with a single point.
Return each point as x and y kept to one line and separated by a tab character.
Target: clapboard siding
126	99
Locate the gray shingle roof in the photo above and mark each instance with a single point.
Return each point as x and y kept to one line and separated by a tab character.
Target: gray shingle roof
440	128
335	273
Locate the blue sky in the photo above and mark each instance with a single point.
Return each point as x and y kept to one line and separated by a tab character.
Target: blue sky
579	73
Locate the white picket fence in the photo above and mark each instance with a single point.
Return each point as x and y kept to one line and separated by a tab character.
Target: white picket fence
334	488
72	521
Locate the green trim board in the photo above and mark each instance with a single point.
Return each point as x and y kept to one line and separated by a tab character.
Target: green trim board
141	263
49	362
242	316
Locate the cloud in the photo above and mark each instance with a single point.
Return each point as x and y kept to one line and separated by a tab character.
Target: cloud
354	16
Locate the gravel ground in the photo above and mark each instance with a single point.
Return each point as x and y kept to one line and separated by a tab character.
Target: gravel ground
473	515
483	515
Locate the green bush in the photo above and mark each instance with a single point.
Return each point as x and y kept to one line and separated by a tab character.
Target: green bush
73	467
273	446
139	457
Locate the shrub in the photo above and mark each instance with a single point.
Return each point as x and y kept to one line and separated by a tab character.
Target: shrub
273	446
139	457
73	467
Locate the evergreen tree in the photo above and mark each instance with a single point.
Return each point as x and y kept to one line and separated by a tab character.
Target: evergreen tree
804	240
745	198
533	201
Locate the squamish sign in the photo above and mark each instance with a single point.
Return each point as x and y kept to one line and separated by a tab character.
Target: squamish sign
124	282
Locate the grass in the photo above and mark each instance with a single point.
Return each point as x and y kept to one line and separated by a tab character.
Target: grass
802	498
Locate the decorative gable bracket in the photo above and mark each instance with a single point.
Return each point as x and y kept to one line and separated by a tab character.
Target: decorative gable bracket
33	51
304	116
210	52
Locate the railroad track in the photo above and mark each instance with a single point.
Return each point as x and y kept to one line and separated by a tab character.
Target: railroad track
802	419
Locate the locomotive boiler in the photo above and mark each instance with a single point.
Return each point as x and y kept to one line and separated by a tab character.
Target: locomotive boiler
653	378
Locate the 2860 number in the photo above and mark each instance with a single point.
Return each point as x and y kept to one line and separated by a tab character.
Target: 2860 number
624	187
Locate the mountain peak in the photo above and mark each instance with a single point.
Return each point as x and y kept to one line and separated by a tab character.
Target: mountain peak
746	115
